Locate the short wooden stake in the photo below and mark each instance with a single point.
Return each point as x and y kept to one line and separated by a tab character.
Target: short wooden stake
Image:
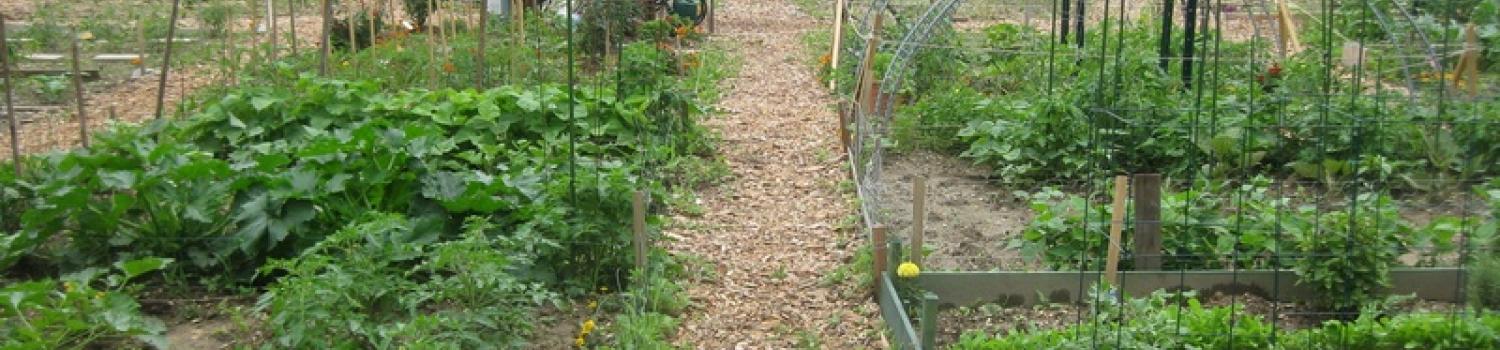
166	60
83	120
638	225
1466	74
112	114
271	24
918	217
1147	235
843	127
1116	224
878	255
929	320
10	105
1287	30
838	42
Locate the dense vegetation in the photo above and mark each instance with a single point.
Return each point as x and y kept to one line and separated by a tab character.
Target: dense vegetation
1168	321
367	211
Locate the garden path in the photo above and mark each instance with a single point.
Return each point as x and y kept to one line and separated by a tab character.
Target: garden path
771	230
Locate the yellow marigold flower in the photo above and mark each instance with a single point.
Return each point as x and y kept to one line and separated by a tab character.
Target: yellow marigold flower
99	295
604	289
579	342
588	327
593	304
68	287
826	59
136	61
908	270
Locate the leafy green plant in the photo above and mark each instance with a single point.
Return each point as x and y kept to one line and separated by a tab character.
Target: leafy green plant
383	281
50	88
216	15
1484	283
1346	256
83	309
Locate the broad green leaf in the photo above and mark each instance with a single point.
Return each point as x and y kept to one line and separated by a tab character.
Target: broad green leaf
134	268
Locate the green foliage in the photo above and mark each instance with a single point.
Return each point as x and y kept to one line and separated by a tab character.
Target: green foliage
50	88
1484	283
382	282
84	309
1163	321
648	330
1346	256
1075	120
216	15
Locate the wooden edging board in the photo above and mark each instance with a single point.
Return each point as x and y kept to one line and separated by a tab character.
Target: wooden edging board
1029	288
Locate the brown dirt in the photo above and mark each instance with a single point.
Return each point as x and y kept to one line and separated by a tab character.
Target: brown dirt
971	223
770	231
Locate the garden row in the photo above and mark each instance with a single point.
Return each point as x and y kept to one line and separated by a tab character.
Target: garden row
364	212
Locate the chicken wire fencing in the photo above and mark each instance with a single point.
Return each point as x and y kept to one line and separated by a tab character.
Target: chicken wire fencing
1316	141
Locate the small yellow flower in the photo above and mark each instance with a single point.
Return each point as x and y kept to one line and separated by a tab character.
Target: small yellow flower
579	342
68	287
346	63
593	304
86	36
603	289
99	295
588	327
908	270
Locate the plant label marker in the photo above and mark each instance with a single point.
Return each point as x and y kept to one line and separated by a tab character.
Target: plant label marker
638	225
918	217
83	120
1116	224
1147	221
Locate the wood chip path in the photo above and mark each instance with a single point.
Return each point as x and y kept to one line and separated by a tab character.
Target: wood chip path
771	230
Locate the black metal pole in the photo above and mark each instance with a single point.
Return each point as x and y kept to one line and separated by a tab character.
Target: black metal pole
1078	21
1189	27
1165	51
1067	20
166	59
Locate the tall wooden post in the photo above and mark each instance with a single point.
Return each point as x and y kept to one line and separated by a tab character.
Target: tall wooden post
866	95
10	102
271	22
323	46
291	12
166	59
638	225
83	120
1116	224
918	218
481	67
1147	221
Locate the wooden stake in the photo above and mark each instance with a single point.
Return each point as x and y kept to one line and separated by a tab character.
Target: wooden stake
83	120
481	67
918	217
1466	74
711	27
838	43
1147	221
166	60
879	255
638	224
323	46
112	114
291	11
1116	224
271	24
844	110
10	103
1287	27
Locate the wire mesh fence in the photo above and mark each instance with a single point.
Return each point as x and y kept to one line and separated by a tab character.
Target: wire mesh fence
1294	136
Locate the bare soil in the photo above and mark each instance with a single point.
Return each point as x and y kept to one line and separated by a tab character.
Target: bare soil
971	224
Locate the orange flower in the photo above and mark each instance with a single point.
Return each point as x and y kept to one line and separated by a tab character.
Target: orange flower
449	68
826	59
137	61
682	32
